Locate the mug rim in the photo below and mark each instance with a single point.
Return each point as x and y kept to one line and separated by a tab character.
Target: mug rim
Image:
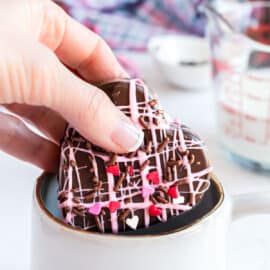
62	224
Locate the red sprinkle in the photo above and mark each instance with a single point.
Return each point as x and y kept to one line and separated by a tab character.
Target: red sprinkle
154	177
114	169
154	211
114	206
173	192
131	170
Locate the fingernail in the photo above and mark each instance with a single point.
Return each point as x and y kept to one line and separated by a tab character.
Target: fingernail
127	136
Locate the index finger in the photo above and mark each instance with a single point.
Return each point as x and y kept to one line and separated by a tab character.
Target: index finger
78	47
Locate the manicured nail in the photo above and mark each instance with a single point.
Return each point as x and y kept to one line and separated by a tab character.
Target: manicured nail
127	136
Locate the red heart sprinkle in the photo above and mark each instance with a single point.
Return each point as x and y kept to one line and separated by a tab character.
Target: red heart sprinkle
154	211
131	170
173	192
154	177
114	206
114	169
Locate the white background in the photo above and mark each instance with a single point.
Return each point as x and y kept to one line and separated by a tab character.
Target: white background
249	241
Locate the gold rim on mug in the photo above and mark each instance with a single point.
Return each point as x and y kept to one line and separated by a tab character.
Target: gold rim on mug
78	230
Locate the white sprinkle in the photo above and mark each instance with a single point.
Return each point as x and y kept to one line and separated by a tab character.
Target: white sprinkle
133	222
179	200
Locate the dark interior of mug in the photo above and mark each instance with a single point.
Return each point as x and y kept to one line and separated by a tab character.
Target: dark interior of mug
47	192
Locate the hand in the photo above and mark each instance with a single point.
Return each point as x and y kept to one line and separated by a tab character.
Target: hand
39	46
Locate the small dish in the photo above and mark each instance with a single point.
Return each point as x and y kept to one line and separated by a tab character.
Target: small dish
184	60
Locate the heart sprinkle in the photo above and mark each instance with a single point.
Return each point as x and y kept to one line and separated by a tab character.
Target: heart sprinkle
173	192
131	170
147	191
179	200
114	169
154	211
114	206
154	177
95	209
133	222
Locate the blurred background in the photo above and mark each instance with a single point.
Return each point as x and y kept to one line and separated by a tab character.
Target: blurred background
212	74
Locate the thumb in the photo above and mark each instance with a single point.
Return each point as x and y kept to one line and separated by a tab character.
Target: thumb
91	111
32	74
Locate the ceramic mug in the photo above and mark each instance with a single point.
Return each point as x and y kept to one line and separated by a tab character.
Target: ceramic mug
199	245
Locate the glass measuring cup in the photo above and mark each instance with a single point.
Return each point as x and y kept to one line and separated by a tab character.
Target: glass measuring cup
239	35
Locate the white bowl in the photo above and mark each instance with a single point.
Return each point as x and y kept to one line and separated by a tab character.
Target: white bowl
183	60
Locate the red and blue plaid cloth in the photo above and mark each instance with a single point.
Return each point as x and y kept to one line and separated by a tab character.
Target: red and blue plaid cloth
128	24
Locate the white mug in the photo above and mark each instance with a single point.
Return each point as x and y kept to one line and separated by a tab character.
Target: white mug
200	245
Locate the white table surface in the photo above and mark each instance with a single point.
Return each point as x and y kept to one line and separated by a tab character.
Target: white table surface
249	240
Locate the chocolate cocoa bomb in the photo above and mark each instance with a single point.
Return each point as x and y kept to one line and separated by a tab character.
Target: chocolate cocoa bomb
108	192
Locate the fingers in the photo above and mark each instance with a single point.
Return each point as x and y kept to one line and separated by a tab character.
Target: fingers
77	46
32	74
19	141
50	123
91	111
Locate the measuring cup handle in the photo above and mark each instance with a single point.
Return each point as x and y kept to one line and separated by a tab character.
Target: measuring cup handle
250	204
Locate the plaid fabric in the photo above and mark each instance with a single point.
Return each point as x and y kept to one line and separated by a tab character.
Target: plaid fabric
128	24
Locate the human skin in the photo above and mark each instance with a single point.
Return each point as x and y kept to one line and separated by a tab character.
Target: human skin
49	64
